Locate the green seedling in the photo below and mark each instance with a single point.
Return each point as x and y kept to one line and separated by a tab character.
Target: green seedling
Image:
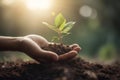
61	27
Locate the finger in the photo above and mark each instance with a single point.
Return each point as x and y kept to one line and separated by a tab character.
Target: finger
68	55
41	41
76	47
49	55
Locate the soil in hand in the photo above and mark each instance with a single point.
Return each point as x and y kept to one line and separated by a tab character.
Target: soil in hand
58	48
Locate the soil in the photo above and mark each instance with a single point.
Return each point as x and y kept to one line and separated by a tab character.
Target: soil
75	69
58	48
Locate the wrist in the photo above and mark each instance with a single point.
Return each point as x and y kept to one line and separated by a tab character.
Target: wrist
9	43
21	43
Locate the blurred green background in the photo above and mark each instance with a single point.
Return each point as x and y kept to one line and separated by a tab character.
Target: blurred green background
96	30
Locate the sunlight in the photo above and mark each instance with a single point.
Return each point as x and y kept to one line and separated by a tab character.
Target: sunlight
38	4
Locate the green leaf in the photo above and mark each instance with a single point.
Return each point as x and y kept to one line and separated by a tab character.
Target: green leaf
68	26
65	34
59	20
50	26
62	25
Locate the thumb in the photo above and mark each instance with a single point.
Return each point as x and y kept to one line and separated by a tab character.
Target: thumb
68	55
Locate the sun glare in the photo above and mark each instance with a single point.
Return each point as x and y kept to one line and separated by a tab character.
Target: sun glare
38	4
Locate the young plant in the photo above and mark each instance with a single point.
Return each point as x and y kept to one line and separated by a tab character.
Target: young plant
60	26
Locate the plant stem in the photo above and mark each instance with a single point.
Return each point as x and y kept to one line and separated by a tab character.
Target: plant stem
60	37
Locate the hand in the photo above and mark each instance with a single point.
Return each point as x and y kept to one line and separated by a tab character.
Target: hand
75	50
31	45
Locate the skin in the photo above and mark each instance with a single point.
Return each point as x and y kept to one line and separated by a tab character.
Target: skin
31	45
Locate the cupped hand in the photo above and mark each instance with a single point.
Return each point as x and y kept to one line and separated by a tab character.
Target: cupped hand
67	56
31	45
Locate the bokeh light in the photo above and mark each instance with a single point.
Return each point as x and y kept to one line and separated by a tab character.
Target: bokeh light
85	11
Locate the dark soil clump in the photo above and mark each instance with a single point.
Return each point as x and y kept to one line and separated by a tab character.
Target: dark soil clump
58	48
76	69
